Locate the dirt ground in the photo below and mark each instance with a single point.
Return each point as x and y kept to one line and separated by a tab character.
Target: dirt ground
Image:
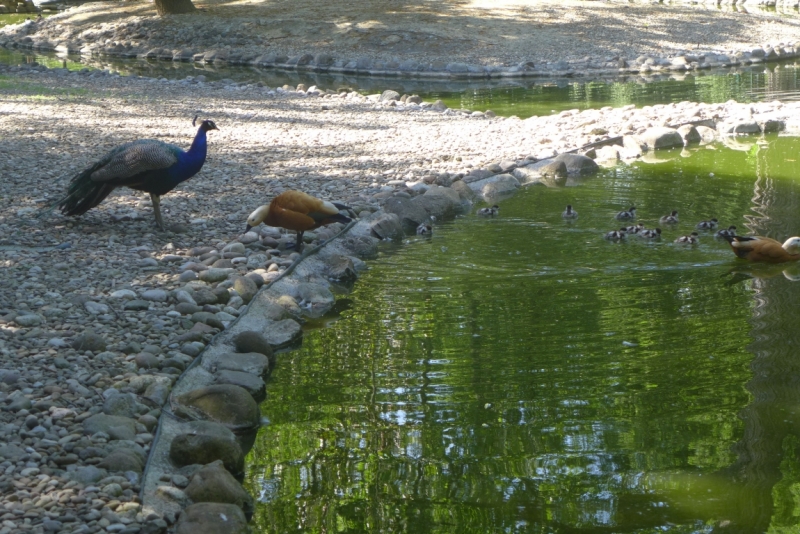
478	32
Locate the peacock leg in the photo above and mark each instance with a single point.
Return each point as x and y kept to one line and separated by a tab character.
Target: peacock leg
157	210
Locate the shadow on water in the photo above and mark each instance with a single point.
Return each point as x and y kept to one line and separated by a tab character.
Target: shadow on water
521	374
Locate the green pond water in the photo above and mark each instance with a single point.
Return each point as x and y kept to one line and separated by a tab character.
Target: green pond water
522	374
523	98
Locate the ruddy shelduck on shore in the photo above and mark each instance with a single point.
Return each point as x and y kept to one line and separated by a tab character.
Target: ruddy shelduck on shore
298	211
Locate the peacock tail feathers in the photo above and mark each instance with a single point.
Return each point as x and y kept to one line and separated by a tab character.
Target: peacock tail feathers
134	158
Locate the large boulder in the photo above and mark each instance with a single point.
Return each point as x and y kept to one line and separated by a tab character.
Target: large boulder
212	518
410	214
252	341
122	460
204	442
689	134
254	385
230	405
213	483
386	226
660	137
578	164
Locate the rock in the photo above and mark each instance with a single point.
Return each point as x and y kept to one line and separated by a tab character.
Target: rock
577	164
661	137
230	405
123	404
386	226
251	341
136	305
222	294
212	518
96	308
689	134
253	384
246	288
341	268
283	333
439	202
203	296
410	214
203	442
89	341
315	299
117	427
499	186
185	308
739	127
214	275
389	95
253	363
122	460
88	475
145	360
213	483
464	191
28	320
155	295
208	318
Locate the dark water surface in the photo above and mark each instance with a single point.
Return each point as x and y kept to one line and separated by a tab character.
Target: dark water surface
522	374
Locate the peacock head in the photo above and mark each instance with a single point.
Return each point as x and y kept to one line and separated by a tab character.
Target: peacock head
257	217
207	125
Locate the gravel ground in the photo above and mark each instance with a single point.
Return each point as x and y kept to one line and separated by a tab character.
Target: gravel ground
91	317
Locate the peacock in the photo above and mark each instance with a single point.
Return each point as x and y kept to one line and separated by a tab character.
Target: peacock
145	165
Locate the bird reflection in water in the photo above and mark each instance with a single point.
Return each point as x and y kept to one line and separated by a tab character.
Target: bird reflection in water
764	271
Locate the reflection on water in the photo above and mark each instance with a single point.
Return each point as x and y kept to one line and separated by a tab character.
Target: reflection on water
522	374
524	98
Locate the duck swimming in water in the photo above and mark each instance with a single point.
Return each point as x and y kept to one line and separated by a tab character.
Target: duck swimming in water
627	215
650	234
710	224
489	212
634	229
691	239
424	229
570	213
616	235
726	232
765	249
672	218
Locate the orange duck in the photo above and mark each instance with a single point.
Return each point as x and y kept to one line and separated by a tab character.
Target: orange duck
757	248
298	211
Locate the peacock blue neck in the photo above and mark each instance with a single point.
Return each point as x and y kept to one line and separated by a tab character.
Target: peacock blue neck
191	161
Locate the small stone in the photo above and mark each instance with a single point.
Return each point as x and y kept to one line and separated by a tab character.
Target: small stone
89	341
251	341
155	295
246	288
187	276
137	305
214	275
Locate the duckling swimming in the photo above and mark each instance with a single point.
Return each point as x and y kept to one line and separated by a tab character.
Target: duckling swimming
650	234
635	229
672	218
424	229
489	212
570	213
616	235
627	215
711	224
691	239
726	232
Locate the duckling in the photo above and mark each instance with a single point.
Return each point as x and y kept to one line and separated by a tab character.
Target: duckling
757	248
691	239
424	229
298	211
635	229
616	235
651	234
672	218
570	213
626	215
726	232
707	225
489	212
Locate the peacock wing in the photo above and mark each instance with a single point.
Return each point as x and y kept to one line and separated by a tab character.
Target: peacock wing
131	159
